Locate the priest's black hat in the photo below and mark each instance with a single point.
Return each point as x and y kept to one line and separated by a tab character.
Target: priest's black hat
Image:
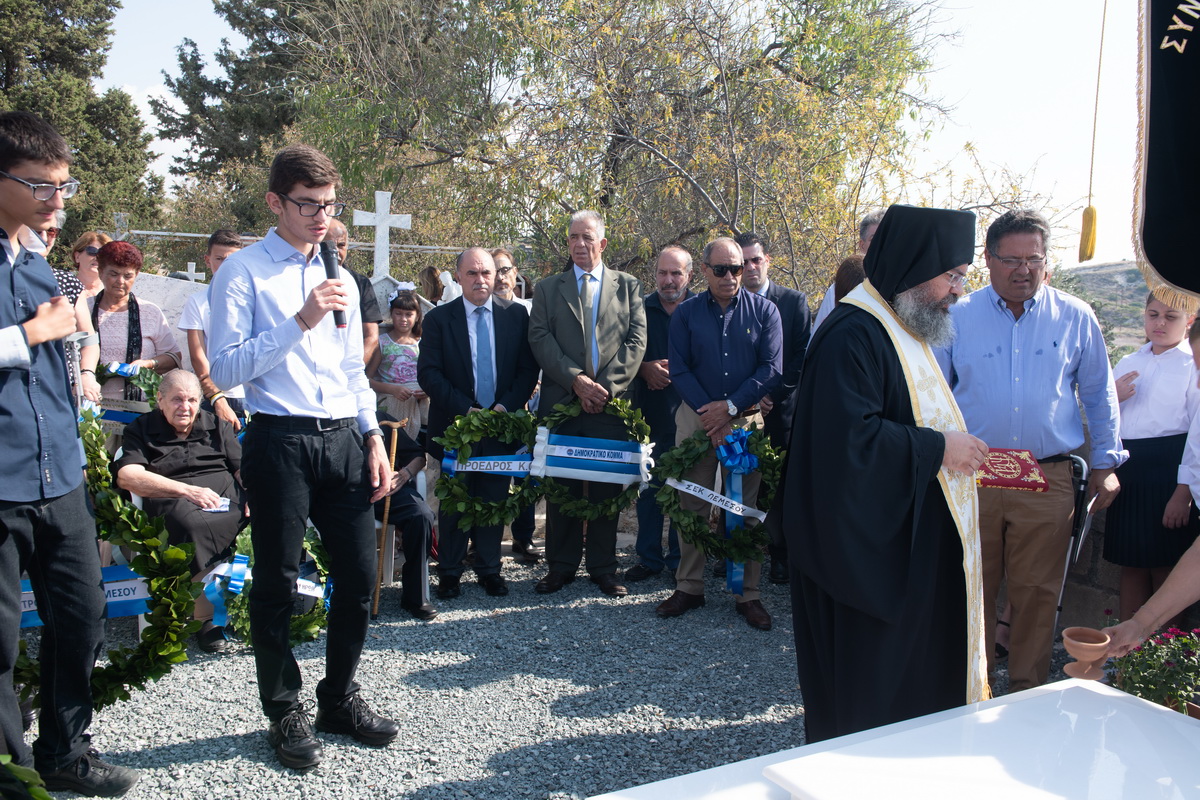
914	245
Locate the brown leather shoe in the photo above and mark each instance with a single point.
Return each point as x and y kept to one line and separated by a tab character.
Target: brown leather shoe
609	584
756	616
553	582
678	604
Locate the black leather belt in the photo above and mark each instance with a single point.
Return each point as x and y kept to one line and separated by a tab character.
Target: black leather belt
1053	459
303	424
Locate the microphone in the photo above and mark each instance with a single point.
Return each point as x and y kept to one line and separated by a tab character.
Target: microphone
329	259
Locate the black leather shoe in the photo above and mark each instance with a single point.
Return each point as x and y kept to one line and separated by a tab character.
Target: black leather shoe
528	553
92	776
424	612
640	572
779	570
756	616
292	737
678	604
553	582
449	588
351	717
609	584
211	638
719	568
494	585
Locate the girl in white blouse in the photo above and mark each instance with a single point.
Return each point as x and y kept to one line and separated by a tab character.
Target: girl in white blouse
1152	521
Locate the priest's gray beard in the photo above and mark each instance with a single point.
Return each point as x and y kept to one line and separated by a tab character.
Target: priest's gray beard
927	319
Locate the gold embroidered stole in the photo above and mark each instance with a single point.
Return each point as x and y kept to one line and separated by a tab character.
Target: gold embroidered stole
934	407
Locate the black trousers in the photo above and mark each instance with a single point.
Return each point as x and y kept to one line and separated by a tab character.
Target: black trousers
294	472
55	542
453	537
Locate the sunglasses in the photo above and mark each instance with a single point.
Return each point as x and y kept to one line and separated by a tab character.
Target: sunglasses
721	270
91	250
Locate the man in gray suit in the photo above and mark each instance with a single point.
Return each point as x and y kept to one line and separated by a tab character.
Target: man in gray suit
588	333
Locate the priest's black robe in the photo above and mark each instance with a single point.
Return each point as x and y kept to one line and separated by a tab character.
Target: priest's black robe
879	597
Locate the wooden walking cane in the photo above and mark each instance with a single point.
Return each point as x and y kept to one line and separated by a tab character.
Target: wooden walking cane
381	537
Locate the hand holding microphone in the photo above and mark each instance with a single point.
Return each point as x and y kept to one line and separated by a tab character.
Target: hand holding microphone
330	260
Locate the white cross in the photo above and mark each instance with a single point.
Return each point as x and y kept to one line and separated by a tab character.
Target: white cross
383	221
195	277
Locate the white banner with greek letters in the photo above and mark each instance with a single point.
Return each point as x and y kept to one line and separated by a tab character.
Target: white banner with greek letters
716	499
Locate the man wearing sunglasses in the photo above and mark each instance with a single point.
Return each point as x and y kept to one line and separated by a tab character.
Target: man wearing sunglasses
725	351
1023	350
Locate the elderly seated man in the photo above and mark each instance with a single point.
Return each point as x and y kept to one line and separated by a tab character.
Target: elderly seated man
184	462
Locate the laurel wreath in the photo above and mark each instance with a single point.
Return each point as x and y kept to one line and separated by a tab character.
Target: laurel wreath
583	508
305	627
510	427
167	570
744	544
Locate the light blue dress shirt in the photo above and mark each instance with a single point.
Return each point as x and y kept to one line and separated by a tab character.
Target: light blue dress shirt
598	274
1015	380
256	341
473	335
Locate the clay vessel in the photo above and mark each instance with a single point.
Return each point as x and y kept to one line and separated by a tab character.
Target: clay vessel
1089	648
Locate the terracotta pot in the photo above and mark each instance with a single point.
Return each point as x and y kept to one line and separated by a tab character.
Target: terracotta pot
1089	648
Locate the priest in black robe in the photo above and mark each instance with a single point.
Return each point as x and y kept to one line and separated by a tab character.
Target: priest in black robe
879	583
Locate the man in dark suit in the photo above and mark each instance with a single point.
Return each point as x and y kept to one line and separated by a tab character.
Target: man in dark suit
474	355
588	332
778	407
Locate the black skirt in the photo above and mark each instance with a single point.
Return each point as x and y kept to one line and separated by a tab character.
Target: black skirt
1134	535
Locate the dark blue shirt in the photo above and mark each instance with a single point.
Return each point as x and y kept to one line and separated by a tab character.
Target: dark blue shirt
736	354
658	406
43	456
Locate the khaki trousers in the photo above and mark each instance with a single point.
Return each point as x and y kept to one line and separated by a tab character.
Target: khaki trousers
1024	538
690	575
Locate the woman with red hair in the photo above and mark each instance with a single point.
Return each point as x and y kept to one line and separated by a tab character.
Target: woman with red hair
131	331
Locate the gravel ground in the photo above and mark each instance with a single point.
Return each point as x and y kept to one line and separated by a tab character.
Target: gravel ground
526	696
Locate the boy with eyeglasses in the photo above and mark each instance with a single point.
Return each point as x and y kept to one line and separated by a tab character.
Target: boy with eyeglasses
314	449
45	527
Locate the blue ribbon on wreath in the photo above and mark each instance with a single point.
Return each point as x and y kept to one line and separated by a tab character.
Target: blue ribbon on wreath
736	457
215	591
450	465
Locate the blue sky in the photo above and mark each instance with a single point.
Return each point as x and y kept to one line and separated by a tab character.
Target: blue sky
1020	78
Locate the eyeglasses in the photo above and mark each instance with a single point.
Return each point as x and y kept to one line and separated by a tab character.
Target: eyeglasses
312	209
504	270
1037	262
955	279
51	232
91	250
44	191
756	260
721	270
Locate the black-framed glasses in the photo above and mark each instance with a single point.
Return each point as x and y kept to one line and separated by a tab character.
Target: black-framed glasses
504	270
1037	262
721	270
756	260
312	209
44	191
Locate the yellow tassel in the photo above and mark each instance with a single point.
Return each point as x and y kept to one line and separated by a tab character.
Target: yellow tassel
1087	236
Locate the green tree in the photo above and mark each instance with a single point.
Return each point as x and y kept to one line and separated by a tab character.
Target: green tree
49	54
234	116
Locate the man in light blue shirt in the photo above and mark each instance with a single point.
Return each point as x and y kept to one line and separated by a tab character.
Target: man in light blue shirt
313	449
1022	351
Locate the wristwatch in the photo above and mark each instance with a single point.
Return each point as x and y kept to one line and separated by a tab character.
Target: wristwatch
733	410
